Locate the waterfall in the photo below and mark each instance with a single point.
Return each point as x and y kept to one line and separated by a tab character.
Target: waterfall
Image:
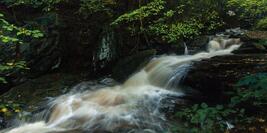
132	107
186	52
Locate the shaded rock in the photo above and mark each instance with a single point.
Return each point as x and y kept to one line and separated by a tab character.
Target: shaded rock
235	32
251	48
164	48
93	85
44	56
213	77
127	66
253	43
198	44
2	122
4	87
36	90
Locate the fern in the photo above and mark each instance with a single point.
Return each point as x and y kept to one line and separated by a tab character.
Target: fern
251	89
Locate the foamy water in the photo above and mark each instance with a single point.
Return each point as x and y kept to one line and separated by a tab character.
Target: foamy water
133	106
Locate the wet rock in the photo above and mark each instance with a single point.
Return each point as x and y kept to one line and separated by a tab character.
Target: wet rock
213	77
93	85
127	66
2	122
108	82
44	56
198	44
5	87
253	43
36	90
251	48
235	32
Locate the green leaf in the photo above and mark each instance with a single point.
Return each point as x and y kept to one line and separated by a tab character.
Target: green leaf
219	107
3	80
204	105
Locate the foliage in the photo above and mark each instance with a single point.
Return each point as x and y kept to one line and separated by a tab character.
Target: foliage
206	119
151	9
262	24
251	89
170	21
173	32
208	12
11	67
10	38
248	10
13	34
46	5
9	109
89	7
263	42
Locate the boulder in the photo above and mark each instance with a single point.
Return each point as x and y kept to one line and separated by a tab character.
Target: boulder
34	91
214	77
128	65
198	44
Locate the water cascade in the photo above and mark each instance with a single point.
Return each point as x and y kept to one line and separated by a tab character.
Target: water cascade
132	107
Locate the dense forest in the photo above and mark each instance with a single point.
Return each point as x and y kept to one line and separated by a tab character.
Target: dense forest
211	55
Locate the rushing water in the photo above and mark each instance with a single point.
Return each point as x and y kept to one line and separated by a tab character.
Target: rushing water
132	107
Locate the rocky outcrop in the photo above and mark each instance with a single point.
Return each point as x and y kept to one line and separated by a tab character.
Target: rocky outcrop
214	77
128	65
218	75
198	44
36	90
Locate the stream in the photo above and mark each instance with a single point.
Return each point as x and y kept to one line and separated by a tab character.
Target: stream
132	107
